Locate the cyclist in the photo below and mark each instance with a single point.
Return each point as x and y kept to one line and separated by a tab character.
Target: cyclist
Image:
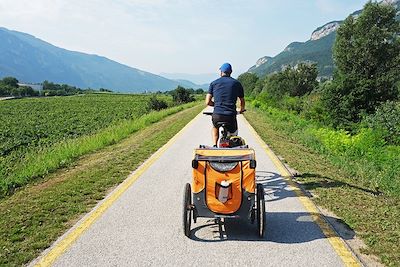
225	91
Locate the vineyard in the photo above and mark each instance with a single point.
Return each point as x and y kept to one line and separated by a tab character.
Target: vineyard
31	127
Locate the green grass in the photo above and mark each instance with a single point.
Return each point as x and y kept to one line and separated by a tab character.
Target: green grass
30	125
43	159
35	122
364	155
39	213
373	216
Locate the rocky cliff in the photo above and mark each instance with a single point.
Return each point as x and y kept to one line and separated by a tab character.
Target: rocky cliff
318	49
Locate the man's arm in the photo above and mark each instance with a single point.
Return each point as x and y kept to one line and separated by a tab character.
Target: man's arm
242	104
209	101
241	98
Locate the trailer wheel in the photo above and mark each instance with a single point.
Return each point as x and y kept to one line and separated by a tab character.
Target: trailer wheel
260	210
187	209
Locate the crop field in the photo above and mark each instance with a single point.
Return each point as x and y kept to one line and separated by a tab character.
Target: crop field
30	126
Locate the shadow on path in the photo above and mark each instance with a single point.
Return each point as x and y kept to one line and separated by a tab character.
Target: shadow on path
281	227
275	187
328	182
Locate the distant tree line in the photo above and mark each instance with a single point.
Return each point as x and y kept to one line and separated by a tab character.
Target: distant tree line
9	87
53	89
365	89
180	95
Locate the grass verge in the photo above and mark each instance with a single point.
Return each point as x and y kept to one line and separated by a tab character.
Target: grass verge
39	164
39	213
374	217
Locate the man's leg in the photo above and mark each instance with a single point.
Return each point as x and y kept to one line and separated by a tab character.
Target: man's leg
215	135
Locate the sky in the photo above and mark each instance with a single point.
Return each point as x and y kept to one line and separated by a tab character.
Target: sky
174	36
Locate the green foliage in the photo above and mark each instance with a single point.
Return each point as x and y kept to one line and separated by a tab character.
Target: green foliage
53	89
248	81
182	95
296	81
293	89
199	91
9	87
29	125
156	104
10	81
339	186
386	120
366	54
40	135
314	109
105	90
292	103
365	155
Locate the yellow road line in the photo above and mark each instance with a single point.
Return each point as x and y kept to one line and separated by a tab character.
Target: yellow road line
337	243
61	246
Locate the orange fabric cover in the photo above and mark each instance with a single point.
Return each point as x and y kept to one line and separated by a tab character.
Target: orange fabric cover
233	177
249	177
198	182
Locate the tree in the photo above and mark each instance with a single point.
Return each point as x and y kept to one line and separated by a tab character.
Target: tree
296	81
199	91
305	79
181	95
248	81
10	81
156	104
366	55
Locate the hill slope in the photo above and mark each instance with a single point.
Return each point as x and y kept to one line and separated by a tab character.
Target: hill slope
318	49
30	59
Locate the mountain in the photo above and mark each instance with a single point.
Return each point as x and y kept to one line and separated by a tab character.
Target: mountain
32	60
201	78
318	49
189	84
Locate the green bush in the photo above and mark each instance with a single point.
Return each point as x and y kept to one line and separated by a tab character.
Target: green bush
156	104
294	104
364	155
314	109
182	95
293	81
386	120
248	81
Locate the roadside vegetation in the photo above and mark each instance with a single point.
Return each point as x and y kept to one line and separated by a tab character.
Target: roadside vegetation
39	135
9	86
349	125
36	215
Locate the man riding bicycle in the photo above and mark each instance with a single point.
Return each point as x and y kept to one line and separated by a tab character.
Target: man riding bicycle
225	91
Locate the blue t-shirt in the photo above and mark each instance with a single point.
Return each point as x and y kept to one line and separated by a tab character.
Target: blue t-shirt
225	91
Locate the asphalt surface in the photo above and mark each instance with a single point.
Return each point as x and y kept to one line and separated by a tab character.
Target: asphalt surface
144	226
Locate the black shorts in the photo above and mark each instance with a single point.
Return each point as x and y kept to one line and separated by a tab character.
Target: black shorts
231	122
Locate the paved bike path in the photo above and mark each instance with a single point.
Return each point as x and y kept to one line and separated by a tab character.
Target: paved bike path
143	227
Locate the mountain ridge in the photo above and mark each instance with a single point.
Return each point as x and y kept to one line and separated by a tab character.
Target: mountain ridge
33	60
317	49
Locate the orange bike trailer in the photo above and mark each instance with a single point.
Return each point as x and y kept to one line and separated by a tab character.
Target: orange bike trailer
218	170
